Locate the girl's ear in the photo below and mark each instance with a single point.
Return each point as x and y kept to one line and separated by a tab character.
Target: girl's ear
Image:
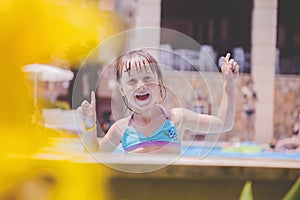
121	89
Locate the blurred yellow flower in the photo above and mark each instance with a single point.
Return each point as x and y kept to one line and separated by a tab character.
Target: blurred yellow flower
35	29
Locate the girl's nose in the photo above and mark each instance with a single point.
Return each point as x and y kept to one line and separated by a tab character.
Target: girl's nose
141	85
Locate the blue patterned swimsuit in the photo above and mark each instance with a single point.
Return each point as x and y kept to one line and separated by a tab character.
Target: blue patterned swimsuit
165	135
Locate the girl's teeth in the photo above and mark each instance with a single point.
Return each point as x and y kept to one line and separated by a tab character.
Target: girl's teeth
142	96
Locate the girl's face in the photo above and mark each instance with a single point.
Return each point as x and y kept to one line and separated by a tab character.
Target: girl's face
140	86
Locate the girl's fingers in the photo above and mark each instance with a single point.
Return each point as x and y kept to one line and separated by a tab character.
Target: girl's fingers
84	103
93	99
237	68
227	56
229	64
224	61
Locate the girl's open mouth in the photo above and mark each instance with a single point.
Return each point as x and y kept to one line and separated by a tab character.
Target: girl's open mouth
142	97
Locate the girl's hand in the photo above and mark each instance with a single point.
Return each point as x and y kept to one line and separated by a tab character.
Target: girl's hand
230	68
88	111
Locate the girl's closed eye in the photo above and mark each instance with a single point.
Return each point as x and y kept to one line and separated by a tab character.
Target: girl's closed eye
148	78
131	81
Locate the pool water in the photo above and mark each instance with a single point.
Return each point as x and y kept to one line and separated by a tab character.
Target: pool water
244	150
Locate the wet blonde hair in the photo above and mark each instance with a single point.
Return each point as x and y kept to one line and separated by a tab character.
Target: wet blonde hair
137	59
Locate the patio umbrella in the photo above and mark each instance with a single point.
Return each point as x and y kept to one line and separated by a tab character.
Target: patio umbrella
44	72
49	73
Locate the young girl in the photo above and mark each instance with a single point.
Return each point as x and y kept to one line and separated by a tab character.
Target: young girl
150	128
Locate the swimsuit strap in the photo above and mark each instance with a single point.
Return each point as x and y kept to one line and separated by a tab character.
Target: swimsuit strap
164	112
130	120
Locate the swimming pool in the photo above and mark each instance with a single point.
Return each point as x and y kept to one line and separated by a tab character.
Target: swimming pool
220	175
240	153
243	150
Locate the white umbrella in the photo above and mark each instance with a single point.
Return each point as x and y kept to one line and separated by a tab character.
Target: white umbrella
48	73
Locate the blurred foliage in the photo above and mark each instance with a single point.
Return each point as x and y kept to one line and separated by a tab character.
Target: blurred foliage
31	31
35	30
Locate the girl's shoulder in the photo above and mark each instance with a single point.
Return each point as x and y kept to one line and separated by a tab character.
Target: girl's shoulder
120	125
178	111
176	115
170	110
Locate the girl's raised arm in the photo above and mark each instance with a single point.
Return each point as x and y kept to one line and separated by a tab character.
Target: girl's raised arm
87	112
224	120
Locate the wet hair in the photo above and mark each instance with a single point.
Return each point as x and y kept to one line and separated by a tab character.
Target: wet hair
139	59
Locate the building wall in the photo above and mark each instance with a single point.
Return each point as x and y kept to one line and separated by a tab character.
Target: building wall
287	101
